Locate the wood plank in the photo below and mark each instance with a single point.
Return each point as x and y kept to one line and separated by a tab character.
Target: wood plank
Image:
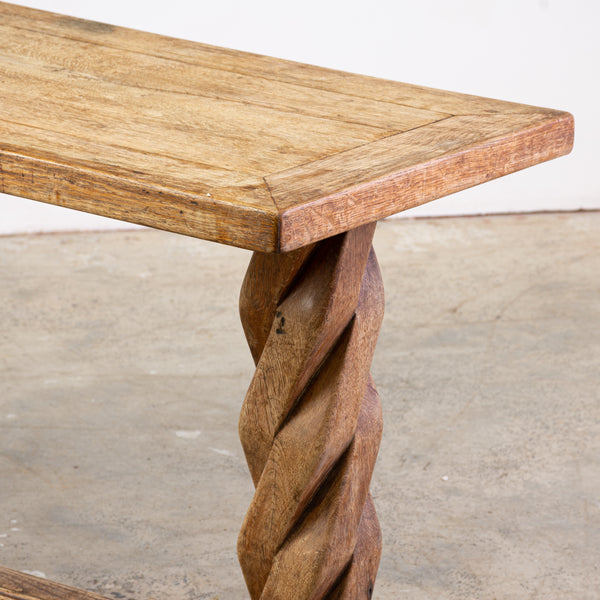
20	586
341	192
226	135
269	68
159	73
176	173
233	147
148	204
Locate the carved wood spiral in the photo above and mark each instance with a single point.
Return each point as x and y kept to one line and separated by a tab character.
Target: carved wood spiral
311	422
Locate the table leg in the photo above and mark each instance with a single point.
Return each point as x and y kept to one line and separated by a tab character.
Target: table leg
311	422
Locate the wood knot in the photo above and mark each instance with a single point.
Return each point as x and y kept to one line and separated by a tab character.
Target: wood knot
280	323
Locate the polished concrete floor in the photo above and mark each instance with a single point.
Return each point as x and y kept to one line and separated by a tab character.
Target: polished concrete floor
123	367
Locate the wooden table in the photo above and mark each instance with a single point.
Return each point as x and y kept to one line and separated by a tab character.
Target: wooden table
296	163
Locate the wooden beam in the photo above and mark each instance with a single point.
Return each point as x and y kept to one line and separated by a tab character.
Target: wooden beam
21	586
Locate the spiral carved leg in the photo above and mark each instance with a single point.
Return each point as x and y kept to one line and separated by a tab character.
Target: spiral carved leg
311	422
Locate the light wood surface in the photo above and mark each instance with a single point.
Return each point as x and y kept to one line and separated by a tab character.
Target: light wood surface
311	422
20	586
233	147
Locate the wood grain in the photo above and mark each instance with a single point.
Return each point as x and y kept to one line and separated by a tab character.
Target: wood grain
20	586
323	198
311	422
264	67
233	147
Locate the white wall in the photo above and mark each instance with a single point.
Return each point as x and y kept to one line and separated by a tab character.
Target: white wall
542	52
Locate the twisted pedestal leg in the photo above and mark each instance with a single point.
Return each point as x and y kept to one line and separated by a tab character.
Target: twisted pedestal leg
311	422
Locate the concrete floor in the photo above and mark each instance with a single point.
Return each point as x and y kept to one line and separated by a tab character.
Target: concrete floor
123	367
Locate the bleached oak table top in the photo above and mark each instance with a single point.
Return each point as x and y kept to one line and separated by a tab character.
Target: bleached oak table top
237	148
